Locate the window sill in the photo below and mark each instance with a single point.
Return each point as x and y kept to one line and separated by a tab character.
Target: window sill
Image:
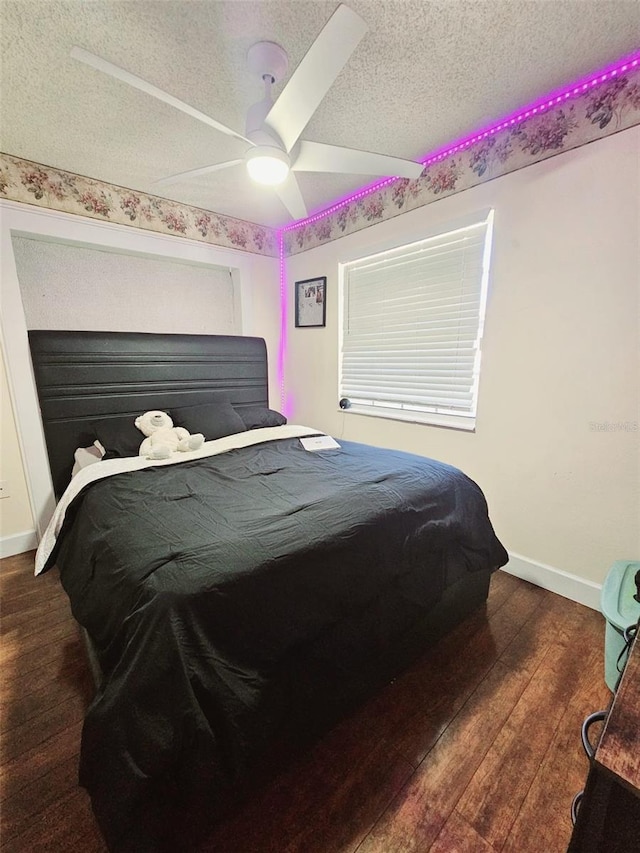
427	418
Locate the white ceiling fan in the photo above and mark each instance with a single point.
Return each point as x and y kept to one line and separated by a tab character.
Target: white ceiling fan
273	130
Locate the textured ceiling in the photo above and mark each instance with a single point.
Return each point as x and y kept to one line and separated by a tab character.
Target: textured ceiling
424	74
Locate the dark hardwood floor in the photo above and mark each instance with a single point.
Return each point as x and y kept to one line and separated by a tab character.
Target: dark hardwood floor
475	749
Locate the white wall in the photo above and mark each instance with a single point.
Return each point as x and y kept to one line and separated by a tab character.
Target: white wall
16	519
66	286
254	276
561	354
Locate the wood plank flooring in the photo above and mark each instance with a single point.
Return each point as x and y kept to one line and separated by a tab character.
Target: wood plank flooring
475	749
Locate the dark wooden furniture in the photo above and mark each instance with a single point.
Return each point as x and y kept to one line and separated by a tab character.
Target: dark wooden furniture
608	812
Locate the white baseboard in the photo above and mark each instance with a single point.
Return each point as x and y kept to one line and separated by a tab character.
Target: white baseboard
555	580
18	543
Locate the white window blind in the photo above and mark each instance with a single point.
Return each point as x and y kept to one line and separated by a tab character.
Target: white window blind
412	325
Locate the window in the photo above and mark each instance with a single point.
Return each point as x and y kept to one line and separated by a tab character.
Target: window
412	320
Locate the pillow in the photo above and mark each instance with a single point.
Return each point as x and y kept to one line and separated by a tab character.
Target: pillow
213	420
118	435
85	456
255	417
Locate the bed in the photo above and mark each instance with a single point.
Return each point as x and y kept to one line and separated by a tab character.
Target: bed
241	594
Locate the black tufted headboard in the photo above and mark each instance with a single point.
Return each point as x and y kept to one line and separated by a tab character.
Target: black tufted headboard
81	376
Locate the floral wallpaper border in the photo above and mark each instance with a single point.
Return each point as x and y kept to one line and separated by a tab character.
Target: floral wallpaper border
607	108
32	183
612	106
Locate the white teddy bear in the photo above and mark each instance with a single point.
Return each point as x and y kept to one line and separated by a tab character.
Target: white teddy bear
163	438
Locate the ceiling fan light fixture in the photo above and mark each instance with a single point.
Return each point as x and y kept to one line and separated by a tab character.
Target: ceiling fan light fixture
267	165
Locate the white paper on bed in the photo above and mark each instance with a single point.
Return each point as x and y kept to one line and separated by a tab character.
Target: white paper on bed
319	442
109	467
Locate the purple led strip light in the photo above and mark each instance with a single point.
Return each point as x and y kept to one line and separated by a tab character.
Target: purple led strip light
549	101
282	347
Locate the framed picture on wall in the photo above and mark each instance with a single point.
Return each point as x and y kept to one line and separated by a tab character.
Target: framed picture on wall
311	302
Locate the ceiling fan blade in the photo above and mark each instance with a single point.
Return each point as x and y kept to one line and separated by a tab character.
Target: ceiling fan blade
315	75
112	70
318	157
290	195
195	173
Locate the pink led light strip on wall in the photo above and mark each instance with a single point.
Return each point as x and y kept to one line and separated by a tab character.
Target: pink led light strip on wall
550	100
282	348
